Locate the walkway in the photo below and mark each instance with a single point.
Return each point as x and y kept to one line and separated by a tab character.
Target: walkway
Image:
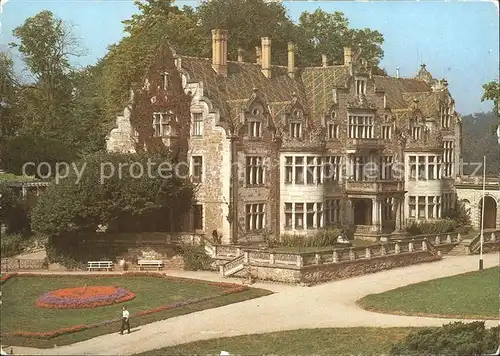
326	305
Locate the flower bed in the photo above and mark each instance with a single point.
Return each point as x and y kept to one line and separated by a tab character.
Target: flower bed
230	288
84	297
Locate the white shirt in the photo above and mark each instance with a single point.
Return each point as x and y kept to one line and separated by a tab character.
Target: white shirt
125	314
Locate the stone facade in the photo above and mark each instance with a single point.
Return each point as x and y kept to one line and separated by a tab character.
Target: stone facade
278	150
470	193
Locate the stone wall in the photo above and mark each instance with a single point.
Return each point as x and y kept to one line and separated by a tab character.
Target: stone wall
331	272
335	271
14	264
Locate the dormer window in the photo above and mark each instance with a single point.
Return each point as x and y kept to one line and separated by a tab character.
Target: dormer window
165	77
360	86
333	129
445	116
161	124
296	129
254	128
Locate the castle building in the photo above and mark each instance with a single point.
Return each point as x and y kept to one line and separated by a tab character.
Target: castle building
282	149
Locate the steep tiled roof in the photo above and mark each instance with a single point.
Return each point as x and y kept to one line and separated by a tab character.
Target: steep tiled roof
427	102
313	87
319	84
395	87
230	93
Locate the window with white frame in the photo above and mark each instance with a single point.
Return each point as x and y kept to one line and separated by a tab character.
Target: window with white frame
431	168
161	124
288	170
445	116
304	215
299	216
197	124
386	164
386	132
416	132
295	129
360	86
255	217
424	207
303	170
332	168
254	128
413	167
332	212
388	209
421	168
360	173
254	170
197	169
360	126
447	158
447	201
288	215
333	131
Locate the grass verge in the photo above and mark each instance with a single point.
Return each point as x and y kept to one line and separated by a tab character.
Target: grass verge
20	313
328	341
472	295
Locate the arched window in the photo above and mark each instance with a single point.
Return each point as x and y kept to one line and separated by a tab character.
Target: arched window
332	126
254	122
295	123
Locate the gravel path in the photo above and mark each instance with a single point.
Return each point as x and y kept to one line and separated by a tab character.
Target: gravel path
327	305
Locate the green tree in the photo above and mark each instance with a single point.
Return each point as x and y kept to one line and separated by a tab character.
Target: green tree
125	202
8	97
247	21
328	33
491	91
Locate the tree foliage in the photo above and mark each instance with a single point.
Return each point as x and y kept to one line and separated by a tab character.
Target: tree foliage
126	201
479	139
58	114
491	91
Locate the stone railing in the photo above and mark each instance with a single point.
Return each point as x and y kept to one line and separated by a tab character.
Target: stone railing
436	239
336	255
490	237
232	266
374	186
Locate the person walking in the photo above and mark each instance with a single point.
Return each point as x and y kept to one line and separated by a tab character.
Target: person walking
125	320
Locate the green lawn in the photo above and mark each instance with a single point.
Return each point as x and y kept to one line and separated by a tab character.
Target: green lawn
469	295
341	341
19	312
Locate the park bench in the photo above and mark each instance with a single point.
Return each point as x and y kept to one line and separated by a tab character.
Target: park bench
99	265
158	264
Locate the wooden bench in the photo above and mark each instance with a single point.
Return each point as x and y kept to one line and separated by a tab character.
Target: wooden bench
158	264
99	265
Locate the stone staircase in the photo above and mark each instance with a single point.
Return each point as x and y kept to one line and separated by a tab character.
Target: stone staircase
462	248
232	267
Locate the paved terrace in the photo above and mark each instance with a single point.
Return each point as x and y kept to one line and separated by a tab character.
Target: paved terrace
291	307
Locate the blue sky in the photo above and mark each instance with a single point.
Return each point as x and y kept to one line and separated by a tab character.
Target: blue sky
458	40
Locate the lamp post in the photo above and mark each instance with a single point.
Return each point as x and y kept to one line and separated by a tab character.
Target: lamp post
482	215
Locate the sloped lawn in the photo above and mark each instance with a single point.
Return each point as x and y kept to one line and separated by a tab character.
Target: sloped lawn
19	313
472	295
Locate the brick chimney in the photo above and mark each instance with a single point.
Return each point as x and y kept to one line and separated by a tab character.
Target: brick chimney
266	56
347	56
240	54
324	60
219	51
291	60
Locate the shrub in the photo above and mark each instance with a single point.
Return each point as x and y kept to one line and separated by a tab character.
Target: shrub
461	215
195	257
320	239
433	227
12	245
451	339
